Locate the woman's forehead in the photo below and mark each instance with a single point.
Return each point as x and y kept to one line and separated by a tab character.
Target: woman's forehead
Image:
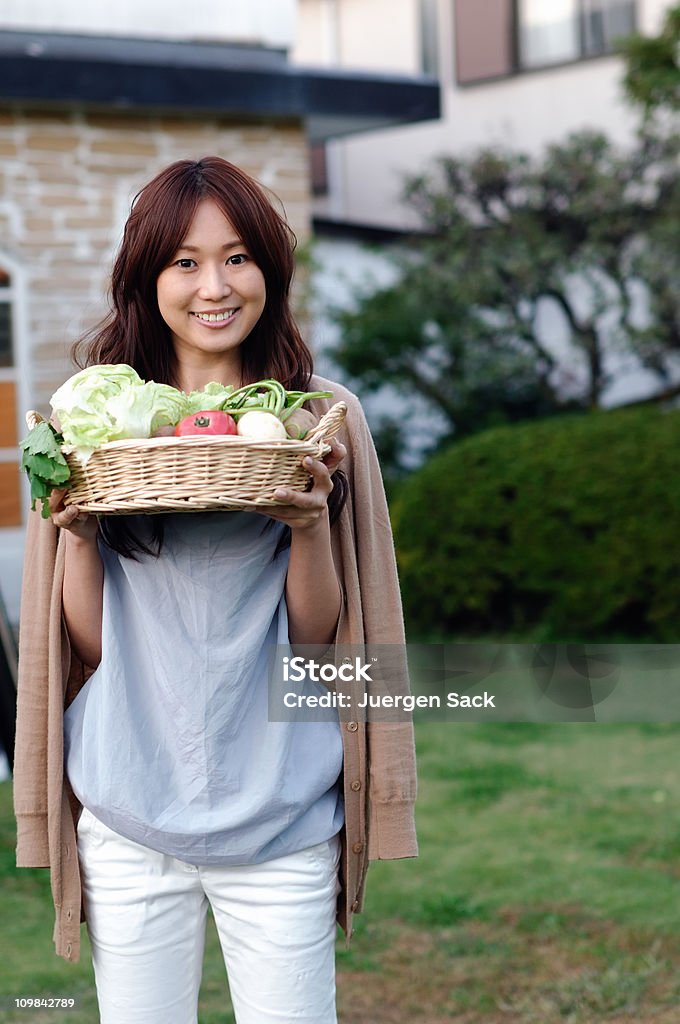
210	224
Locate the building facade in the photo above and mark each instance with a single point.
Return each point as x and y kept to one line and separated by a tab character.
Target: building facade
514	73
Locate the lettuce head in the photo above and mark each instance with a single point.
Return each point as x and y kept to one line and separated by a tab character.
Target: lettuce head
110	402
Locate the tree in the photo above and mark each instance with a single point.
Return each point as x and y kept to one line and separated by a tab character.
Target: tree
652	77
508	241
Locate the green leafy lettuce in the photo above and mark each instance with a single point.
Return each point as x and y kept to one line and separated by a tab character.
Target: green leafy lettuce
212	396
42	459
110	402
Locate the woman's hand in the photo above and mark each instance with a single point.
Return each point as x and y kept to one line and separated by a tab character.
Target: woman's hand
335	456
67	517
304	509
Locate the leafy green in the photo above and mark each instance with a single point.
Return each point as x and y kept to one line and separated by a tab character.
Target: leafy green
110	402
42	459
213	396
265	395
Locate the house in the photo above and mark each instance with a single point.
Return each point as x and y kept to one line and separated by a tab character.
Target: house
516	74
94	99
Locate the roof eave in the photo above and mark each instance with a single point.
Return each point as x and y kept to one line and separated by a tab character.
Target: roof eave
186	77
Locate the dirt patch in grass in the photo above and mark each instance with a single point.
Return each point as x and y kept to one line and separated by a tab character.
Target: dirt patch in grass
548	964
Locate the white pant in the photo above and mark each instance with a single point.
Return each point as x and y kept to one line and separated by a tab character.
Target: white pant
146	915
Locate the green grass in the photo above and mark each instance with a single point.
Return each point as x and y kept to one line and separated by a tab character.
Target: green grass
546	890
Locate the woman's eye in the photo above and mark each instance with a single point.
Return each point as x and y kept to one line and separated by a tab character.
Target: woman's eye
185	263
237	259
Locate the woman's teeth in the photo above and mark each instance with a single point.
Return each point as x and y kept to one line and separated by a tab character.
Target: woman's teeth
215	317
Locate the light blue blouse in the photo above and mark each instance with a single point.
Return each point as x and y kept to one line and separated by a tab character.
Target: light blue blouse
169	742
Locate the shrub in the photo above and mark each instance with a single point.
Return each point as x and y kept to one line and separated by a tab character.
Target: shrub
564	530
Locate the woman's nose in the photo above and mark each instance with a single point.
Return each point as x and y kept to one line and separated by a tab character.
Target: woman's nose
214	282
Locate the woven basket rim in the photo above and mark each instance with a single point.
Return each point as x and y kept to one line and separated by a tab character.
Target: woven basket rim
188	440
317	437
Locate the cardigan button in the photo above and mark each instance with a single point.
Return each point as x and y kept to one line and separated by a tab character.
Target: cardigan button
355	906
352	726
357	848
355	784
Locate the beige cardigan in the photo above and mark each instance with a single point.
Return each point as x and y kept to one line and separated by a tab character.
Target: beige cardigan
379	761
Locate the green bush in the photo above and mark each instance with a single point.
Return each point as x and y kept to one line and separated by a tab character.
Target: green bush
565	530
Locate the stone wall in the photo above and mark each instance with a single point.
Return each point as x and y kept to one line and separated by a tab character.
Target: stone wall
66	182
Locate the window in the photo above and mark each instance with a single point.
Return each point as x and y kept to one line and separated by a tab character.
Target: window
602	23
565	30
429	57
508	36
10	481
548	33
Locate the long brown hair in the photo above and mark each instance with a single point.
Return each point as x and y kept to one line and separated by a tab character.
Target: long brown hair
134	331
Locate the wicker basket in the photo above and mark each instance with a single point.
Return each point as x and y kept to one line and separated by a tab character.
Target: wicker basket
198	473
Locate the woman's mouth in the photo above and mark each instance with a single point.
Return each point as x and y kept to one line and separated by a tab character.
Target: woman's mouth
219	317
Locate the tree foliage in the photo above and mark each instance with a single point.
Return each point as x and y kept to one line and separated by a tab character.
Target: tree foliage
508	241
652	77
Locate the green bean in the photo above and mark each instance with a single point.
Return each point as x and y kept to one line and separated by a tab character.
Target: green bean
269	395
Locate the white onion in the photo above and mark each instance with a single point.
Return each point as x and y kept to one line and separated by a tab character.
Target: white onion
261	426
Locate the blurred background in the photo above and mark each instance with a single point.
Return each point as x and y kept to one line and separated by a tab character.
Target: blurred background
486	199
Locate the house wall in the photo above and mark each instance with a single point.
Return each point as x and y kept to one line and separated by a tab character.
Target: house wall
521	111
380	35
66	182
261	22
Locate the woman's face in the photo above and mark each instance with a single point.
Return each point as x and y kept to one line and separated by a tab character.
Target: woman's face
212	293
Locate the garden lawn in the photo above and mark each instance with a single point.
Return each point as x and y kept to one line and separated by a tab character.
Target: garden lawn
547	889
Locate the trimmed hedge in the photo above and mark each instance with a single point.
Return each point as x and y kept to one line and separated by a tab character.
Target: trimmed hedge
565	529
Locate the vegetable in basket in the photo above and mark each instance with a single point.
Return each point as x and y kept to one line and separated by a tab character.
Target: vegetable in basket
300	423
207	421
262	426
111	402
43	461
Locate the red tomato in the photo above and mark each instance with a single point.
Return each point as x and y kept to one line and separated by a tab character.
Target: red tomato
210	421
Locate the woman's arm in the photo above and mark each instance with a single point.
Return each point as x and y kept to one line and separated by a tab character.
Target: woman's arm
83	587
313	593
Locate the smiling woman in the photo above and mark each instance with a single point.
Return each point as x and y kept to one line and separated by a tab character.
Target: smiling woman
178	792
159	224
211	296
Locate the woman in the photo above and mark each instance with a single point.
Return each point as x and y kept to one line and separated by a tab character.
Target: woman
160	783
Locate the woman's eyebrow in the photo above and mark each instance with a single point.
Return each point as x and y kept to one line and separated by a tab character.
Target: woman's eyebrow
196	248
